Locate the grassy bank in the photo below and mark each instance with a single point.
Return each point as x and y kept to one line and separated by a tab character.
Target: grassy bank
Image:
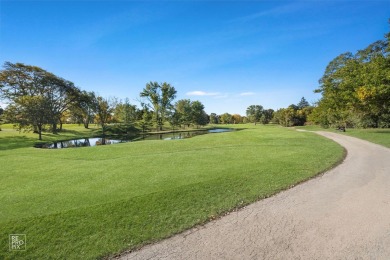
13	139
91	202
375	135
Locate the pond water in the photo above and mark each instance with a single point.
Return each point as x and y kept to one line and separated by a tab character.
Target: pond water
85	142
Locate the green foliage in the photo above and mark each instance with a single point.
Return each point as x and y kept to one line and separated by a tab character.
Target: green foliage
214	118
190	112
83	110
254	113
294	115
199	116
237	119
103	108
25	86
125	112
160	97
355	89
225	118
145	123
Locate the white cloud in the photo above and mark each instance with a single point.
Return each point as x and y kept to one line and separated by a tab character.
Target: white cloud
202	93
247	93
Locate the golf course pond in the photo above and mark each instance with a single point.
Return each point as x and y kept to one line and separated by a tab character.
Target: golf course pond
94	141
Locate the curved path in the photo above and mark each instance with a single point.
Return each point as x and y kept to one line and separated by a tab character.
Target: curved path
343	214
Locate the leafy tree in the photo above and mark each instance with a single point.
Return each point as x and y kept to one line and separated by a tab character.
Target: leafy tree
174	119
84	108
303	103
237	119
254	113
125	112
103	108
214	119
19	80
184	112
199	116
355	89
61	94
146	119
267	116
160	97
28	112
225	118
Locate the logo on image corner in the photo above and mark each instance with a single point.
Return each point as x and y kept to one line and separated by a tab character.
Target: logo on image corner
17	242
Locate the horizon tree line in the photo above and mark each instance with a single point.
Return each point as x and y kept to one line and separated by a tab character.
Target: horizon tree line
39	100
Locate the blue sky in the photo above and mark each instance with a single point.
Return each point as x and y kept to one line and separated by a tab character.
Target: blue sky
226	54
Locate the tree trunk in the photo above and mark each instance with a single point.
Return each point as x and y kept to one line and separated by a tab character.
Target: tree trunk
54	128
86	122
103	130
40	131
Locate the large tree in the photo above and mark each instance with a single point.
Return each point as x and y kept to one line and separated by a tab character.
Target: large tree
356	88
104	108
160	97
84	108
225	118
184	112
199	116
19	80
214	119
125	112
29	113
254	113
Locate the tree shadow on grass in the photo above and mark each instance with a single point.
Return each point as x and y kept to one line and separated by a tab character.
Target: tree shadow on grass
381	131
15	142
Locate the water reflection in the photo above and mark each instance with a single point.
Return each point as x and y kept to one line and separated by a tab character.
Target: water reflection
86	142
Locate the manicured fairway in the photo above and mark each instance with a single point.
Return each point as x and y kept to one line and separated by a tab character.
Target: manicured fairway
91	202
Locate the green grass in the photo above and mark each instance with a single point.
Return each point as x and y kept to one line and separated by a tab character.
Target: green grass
13	139
378	136
92	202
375	135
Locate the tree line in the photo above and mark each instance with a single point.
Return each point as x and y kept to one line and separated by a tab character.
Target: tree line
41	101
38	100
355	92
355	89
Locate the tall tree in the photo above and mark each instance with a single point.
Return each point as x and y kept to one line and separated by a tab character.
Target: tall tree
84	108
199	116
146	118
237	119
356	88
104	108
125	112
225	118
184	111
160	97
19	80
303	103
214	119
254	113
28	112
267	116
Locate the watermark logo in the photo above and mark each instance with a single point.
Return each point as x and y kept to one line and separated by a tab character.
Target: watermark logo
17	242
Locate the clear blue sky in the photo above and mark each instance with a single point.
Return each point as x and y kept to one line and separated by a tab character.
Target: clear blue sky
226	54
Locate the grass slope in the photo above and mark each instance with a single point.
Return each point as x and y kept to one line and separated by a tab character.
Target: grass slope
92	202
375	135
